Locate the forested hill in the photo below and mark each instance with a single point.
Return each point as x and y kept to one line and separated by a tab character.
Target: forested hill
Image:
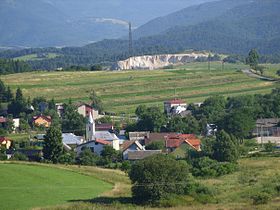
187	17
254	24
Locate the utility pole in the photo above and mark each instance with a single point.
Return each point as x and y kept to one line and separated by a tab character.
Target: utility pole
130	50
209	68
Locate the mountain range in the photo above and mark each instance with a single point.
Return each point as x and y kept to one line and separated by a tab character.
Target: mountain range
225	26
46	23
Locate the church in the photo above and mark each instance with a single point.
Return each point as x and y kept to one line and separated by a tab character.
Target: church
96	140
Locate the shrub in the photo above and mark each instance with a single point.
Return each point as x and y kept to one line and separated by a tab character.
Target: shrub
88	158
261	198
19	156
156	145
159	177
206	167
67	158
125	166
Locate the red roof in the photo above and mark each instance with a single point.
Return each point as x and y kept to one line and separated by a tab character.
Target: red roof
101	141
2	138
3	119
175	141
176	101
47	118
104	127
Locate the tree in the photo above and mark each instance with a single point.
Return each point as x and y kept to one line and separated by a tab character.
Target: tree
88	158
110	154
150	119
187	124
18	105
253	59
96	101
155	145
157	177
213	109
225	149
278	72
72	121
239	123
53	147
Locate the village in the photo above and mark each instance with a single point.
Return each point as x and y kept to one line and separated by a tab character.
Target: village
132	146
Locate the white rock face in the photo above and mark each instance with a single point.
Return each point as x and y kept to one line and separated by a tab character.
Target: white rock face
151	62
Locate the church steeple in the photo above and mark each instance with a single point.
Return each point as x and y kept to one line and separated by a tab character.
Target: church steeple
90	128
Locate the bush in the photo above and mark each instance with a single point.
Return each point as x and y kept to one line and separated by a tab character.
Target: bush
261	198
67	158
125	166
159	177
88	158
156	145
206	167
19	156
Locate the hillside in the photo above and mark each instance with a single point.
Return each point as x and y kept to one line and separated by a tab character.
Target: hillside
187	17
122	92
43	23
28	186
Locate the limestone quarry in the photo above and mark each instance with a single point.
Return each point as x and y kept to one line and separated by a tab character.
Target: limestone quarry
151	62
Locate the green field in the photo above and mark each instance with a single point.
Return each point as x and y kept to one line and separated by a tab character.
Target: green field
29	186
125	90
33	57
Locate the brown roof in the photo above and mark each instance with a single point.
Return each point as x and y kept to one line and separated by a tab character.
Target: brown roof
267	122
104	127
139	155
152	137
127	144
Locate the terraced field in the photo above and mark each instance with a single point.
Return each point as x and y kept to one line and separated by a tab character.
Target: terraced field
123	91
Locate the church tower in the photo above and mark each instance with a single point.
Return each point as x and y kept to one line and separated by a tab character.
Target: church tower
90	128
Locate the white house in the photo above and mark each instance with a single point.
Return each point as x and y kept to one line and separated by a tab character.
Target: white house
95	146
85	110
130	146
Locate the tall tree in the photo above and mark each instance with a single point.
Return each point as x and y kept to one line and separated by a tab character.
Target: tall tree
225	149
53	147
72	121
96	101
253	59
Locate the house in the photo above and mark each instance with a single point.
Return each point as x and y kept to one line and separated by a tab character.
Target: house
133	136
96	146
172	141
72	140
85	110
173	106
129	146
31	154
5	142
267	127
42	120
4	120
104	127
175	141
139	155
59	109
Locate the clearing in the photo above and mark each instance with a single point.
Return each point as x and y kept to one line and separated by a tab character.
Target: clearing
123	91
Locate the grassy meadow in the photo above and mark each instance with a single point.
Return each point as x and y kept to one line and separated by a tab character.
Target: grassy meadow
24	186
123	91
232	191
33	57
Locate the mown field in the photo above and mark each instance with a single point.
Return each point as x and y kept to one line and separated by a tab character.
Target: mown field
30	186
123	91
33	57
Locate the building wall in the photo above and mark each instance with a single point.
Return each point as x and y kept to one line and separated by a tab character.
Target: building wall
267	139
97	148
132	147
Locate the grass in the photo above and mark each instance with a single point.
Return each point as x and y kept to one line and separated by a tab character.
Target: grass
271	70
28	186
232	191
34	57
123	91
